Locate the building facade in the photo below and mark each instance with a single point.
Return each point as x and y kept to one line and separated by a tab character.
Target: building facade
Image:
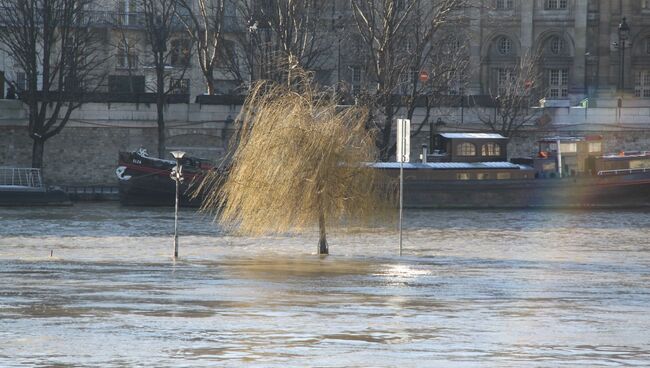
577	43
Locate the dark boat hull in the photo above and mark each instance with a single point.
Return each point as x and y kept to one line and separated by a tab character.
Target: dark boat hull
146	181
16	197
620	191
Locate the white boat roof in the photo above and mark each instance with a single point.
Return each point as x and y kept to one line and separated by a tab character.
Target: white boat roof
450	165
473	135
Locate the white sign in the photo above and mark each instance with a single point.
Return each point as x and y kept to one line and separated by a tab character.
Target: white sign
403	153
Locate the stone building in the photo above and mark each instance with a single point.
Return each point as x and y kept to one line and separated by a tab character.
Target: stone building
578	41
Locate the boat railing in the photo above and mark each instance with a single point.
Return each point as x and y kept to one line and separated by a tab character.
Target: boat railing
24	177
623	171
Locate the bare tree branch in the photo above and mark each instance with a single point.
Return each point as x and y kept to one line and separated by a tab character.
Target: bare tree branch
53	44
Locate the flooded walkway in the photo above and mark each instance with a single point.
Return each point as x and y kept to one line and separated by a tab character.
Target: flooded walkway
474	289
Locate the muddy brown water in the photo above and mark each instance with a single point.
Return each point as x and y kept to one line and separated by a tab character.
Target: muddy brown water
473	289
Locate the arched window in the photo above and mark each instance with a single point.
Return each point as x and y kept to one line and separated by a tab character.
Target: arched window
504	45
491	149
466	149
557	45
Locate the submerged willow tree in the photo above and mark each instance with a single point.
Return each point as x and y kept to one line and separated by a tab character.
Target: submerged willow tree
298	163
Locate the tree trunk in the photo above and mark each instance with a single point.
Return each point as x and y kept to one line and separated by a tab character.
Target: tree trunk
37	153
384	149
210	85
322	241
209	82
161	130
160	104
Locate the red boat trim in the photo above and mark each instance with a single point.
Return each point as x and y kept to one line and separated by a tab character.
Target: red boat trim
158	172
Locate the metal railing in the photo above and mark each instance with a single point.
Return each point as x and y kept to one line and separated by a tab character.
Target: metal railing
623	171
24	177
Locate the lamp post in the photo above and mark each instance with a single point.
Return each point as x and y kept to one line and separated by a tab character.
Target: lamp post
177	176
623	35
252	29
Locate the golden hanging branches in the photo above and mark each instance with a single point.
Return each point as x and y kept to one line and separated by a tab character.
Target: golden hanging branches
298	156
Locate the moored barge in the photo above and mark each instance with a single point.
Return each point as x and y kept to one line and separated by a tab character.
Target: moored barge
469	170
145	181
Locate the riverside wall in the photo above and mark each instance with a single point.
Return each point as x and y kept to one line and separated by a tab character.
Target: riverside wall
85	152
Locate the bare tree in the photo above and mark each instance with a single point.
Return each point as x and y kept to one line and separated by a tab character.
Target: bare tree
384	27
52	43
170	53
438	52
283	35
204	22
514	91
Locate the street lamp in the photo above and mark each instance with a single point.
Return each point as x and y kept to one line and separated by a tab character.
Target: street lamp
252	29
177	176
623	36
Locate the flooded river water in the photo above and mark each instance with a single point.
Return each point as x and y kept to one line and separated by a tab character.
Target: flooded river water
473	289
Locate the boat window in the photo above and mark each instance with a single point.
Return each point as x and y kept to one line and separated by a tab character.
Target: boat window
639	164
491	149
462	176
503	175
482	176
568	147
595	146
466	149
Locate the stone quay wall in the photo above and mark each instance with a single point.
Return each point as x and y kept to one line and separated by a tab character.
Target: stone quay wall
86	150
85	153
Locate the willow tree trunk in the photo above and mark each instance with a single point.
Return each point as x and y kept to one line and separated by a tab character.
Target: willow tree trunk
322	241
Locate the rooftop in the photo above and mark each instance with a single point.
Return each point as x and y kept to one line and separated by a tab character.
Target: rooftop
472	135
449	165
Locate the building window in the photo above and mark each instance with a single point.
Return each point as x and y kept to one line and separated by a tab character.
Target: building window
557	45
491	149
127	12
356	74
504	46
482	176
466	149
505	80
647	45
503	175
180	52
556	4
642	83
462	176
504	4
21	81
179	86
126	84
558	83
126	56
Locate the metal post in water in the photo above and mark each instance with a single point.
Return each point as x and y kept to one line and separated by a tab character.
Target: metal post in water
176	219
177	176
559	158
401	202
402	155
